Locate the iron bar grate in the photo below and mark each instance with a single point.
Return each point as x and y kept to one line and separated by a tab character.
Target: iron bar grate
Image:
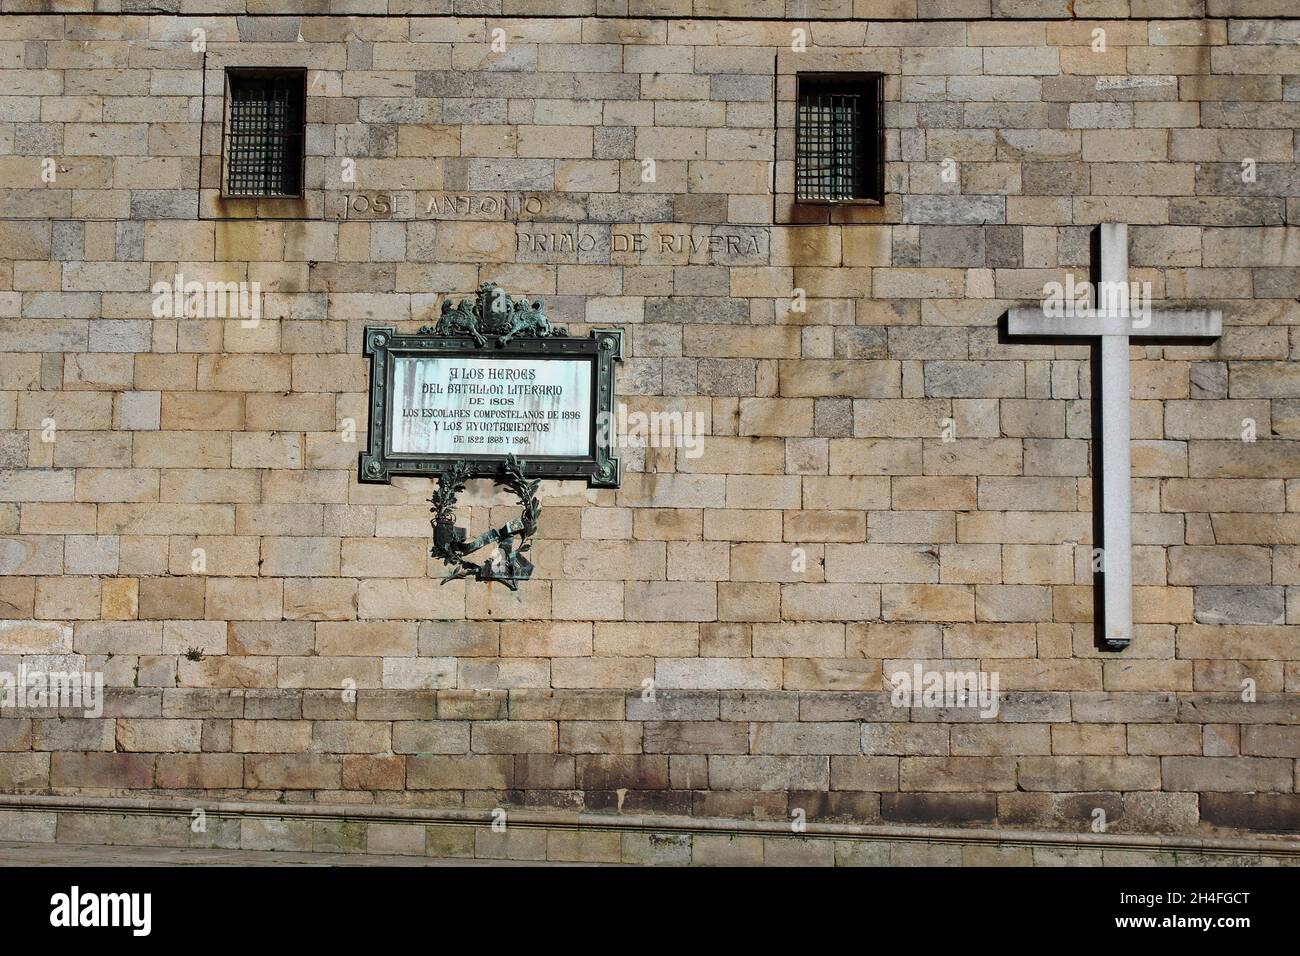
837	156
264	133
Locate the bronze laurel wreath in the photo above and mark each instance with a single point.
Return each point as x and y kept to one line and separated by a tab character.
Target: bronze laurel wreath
510	564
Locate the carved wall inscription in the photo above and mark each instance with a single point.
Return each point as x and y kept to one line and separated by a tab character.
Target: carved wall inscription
491	207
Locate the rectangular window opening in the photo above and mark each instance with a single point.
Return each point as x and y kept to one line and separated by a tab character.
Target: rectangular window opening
839	136
265	125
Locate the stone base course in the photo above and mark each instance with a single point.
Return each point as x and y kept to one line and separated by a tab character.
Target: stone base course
1138	762
591	838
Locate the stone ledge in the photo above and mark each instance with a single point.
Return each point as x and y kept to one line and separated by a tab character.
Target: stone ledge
594	838
863	13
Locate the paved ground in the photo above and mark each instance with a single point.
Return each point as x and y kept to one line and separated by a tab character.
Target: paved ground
61	854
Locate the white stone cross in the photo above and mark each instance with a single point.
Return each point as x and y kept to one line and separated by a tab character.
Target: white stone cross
1110	314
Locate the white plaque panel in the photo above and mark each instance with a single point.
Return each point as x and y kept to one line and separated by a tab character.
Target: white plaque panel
475	406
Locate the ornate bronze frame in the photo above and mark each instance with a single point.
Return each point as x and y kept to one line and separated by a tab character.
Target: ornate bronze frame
457	333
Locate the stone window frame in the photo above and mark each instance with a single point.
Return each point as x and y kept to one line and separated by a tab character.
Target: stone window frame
214	202
787	208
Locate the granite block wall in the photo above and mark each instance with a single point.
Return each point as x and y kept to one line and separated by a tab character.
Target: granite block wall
881	477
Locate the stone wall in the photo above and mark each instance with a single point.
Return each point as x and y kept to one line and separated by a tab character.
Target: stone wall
883	479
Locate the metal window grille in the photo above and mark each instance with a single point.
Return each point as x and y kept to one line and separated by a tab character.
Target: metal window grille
264	133
837	151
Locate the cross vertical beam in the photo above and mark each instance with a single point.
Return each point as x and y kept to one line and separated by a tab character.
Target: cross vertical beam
1110	320
1116	454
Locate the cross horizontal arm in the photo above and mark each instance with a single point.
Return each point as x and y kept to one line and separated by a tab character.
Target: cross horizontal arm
1171	323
